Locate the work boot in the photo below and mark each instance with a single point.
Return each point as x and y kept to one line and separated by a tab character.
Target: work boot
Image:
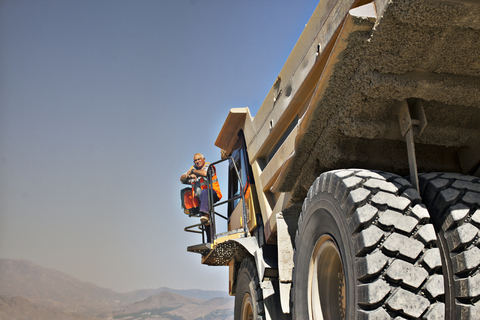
205	218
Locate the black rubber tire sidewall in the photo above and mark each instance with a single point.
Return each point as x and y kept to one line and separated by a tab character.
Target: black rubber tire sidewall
323	216
248	283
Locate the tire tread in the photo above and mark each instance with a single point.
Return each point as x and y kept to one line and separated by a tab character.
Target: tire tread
365	196
454	202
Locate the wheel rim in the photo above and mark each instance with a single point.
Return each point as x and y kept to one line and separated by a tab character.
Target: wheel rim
326	284
247	309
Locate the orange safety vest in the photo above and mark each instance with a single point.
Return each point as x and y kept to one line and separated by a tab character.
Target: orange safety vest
189	200
215	185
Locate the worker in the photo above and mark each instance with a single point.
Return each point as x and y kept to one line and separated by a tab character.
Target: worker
198	175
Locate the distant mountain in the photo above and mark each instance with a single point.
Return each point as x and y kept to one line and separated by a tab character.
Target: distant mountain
213	309
19	308
161	301
167	305
48	288
192	293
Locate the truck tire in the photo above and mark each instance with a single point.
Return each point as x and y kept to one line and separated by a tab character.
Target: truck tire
365	249
248	294
453	201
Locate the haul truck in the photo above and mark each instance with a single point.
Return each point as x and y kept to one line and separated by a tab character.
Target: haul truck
354	192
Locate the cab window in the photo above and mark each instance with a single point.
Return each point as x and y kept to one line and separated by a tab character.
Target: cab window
240	159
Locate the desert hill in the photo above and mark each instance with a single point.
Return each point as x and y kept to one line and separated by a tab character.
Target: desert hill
48	287
192	293
167	305
19	308
161	301
26	289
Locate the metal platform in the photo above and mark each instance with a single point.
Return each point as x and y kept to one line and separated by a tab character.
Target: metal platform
222	250
222	254
203	248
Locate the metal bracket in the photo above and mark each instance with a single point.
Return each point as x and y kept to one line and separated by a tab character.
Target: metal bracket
412	122
285	261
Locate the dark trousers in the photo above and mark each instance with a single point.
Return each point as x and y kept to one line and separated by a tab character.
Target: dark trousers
204	201
204	209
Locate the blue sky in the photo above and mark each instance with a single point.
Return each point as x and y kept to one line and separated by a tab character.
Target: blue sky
102	106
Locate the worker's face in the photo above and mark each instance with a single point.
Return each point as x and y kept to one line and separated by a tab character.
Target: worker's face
198	161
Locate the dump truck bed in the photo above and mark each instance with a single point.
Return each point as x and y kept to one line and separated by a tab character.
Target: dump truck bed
370	89
425	51
338	96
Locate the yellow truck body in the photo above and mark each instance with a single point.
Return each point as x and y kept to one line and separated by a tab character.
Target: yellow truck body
371	92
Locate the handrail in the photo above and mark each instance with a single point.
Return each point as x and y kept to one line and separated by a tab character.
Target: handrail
200	226
212	204
229	200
